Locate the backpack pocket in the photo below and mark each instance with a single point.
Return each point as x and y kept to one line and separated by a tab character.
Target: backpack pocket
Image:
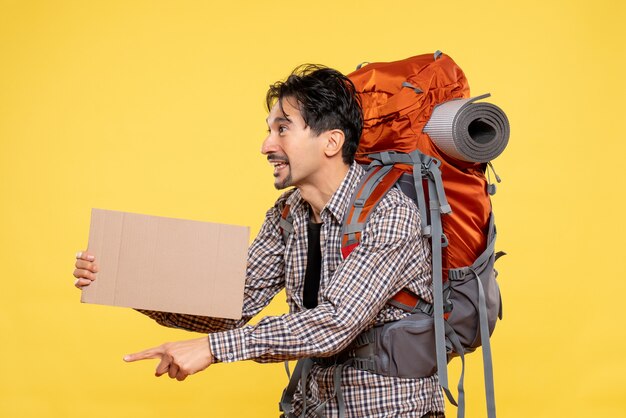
406	348
464	296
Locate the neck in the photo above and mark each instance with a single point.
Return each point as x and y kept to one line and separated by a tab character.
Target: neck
318	194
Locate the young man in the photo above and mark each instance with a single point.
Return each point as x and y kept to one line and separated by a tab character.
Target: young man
315	122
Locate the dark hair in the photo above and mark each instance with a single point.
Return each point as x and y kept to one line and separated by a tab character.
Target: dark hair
326	99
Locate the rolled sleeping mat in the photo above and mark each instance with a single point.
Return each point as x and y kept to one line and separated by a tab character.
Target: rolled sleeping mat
469	131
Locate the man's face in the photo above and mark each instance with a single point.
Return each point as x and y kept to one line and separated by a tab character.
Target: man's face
291	147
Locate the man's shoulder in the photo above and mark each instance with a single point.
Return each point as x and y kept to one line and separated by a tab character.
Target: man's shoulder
396	198
396	208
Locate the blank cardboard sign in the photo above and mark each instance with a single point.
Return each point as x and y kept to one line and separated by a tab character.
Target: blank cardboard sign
166	264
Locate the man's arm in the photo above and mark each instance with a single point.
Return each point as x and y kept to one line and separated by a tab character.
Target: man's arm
264	279
391	254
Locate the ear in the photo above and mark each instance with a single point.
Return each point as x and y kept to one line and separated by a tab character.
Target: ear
334	142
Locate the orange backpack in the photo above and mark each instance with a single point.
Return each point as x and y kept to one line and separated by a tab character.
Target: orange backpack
423	133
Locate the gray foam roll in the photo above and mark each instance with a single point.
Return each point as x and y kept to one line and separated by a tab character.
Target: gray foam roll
469	131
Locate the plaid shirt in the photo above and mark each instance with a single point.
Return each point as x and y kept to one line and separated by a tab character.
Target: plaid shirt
352	298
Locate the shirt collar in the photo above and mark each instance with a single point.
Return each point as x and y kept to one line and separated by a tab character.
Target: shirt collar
338	203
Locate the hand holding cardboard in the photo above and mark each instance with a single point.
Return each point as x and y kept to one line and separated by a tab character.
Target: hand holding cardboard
164	264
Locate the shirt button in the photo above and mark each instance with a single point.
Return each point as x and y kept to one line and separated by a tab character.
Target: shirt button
230	356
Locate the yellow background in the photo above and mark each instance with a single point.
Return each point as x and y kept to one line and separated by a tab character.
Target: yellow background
156	107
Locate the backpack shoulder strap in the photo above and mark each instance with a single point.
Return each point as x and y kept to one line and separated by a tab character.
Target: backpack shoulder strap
286	221
376	182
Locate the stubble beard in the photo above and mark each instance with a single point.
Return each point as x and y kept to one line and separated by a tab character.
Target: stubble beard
280	185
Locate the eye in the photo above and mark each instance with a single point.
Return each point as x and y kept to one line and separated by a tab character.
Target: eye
281	129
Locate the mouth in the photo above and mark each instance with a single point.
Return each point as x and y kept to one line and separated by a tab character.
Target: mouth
279	163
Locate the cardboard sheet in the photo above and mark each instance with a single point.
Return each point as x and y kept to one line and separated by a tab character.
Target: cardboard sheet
166	264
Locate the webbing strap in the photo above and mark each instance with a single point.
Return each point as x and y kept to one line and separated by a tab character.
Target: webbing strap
337	384
486	349
286	363
285	223
365	190
353	228
286	401
419	192
491	245
433	167
368	196
392	157
440	337
337	392
370	171
300	374
306	368
458	348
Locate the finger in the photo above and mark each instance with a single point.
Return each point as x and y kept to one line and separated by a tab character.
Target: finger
84	274
84	255
173	370
164	365
86	265
80	283
156	352
181	375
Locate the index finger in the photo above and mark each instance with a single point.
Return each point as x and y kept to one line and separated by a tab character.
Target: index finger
150	353
85	255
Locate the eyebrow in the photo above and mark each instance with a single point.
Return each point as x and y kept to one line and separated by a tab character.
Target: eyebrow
279	119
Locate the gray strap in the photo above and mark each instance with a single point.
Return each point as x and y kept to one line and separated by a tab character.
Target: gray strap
491	246
458	273
491	187
440	338
286	401
337	392
301	374
353	228
419	192
341	404
458	348
417	90
486	349
306	368
287	369
372	182
493	170
366	188
364	178
392	157
286	225
433	167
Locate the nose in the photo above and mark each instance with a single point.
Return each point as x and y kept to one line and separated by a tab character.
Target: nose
269	145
